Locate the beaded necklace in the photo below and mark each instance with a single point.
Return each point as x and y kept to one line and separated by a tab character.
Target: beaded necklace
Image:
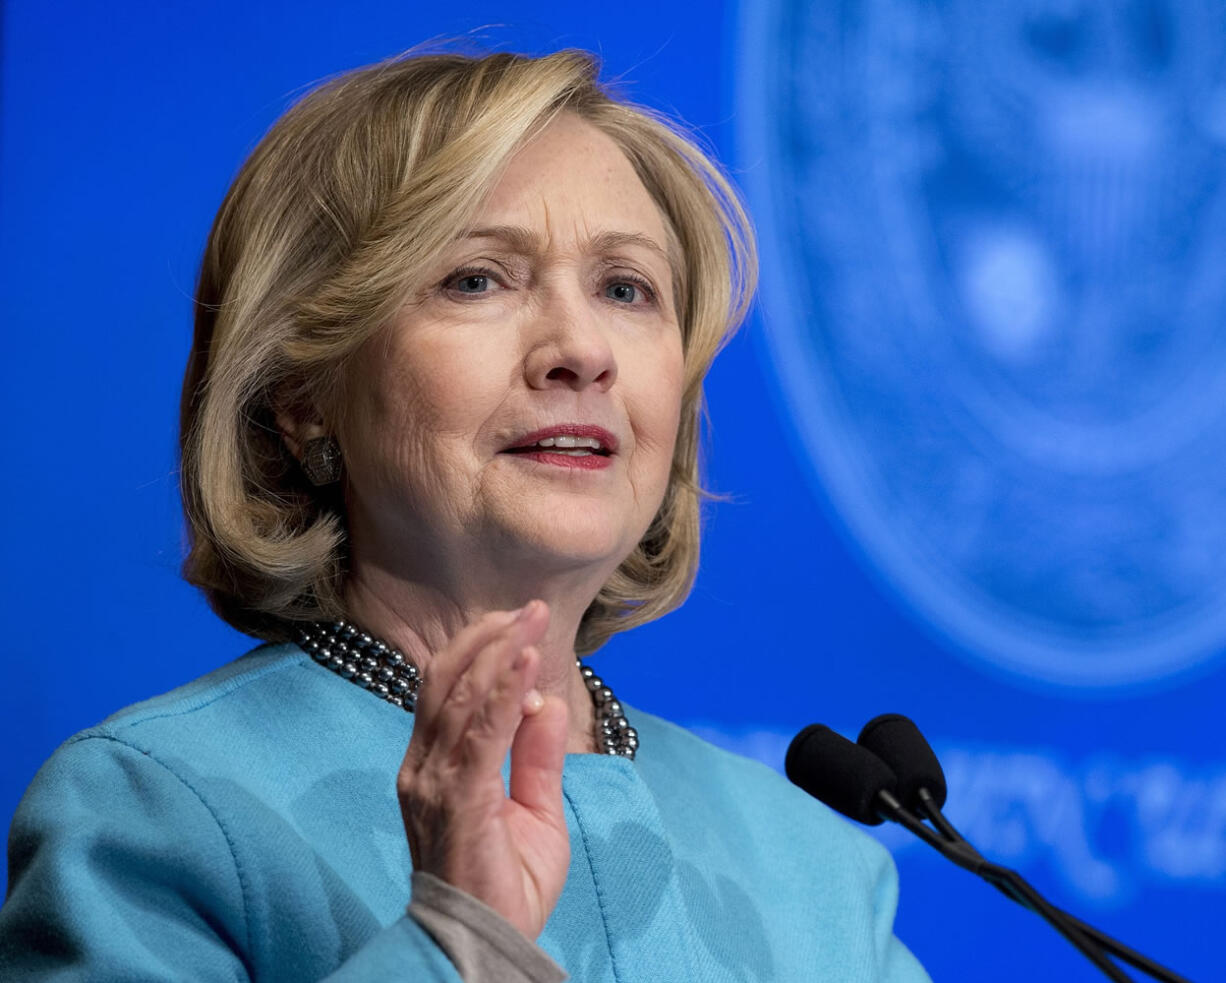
374	665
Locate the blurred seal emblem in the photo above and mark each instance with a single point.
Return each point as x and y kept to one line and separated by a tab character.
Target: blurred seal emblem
994	243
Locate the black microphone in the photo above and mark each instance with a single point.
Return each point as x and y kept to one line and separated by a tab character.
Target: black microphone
921	782
900	744
892	773
854	781
847	777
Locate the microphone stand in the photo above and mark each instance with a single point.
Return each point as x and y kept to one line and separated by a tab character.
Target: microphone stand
1111	945
952	845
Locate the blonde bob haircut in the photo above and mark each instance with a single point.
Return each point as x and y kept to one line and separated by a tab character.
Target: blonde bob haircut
328	230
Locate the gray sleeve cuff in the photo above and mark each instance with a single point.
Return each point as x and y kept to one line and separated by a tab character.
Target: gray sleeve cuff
483	946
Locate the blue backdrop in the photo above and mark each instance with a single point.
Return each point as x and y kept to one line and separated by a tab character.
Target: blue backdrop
971	433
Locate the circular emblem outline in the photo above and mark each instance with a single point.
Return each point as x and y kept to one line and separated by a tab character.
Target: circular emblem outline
992	634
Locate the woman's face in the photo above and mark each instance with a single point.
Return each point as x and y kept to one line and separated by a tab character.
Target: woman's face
552	321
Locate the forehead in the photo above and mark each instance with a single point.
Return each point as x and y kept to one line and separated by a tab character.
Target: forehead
571	178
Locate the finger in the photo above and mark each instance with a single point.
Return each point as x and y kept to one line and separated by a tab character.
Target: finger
485	742
528	622
483	704
475	726
537	755
449	667
462	648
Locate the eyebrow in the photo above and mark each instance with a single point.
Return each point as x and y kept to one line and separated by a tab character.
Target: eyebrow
524	241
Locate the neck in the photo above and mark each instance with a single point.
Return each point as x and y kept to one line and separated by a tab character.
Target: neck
420	619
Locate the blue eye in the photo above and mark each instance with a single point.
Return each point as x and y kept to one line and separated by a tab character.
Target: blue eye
474	283
626	293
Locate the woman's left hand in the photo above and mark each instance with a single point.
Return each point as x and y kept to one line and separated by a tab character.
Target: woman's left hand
511	851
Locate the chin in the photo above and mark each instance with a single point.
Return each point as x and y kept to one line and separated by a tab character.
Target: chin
571	539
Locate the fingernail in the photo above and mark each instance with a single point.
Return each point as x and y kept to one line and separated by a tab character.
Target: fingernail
533	701
523	612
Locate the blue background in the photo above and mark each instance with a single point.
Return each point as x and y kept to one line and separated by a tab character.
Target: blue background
122	126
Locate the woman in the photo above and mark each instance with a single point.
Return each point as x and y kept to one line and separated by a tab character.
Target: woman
439	436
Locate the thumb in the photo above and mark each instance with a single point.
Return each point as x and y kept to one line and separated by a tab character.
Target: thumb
537	754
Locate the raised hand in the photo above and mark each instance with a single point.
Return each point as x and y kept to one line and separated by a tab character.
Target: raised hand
511	852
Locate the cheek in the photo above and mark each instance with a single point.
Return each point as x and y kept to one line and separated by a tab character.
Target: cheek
393	413
670	381
659	380
420	409
387	429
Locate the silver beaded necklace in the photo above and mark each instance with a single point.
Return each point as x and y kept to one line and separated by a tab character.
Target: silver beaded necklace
374	665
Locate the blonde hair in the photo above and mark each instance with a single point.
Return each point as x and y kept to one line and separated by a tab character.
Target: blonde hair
371	175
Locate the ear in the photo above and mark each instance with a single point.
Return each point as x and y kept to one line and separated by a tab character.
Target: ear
298	423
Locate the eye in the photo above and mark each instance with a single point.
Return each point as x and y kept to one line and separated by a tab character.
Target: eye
626	291
471	283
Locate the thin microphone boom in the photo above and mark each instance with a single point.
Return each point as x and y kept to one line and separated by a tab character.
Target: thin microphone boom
921	784
892	773
1008	881
932	811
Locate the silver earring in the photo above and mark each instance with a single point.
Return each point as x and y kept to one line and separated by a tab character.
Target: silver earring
321	460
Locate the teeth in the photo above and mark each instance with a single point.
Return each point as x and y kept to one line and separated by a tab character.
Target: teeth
569	442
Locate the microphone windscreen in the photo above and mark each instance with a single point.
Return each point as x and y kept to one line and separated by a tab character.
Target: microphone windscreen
844	775
898	742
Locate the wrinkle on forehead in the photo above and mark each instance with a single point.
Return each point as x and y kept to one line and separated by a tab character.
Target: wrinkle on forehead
610	189
525	242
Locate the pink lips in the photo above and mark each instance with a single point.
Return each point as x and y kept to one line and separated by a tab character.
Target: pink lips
607	440
585	462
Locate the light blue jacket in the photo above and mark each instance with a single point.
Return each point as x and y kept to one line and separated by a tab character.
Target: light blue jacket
245	827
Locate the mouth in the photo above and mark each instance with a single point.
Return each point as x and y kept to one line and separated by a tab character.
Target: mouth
567	440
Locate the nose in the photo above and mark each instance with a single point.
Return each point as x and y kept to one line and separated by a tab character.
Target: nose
569	346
